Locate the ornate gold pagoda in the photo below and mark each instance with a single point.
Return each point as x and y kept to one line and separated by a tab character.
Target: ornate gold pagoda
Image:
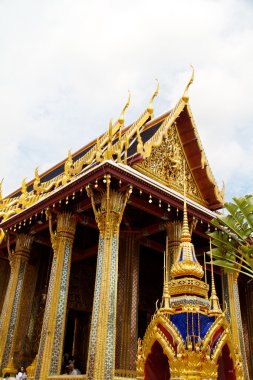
189	332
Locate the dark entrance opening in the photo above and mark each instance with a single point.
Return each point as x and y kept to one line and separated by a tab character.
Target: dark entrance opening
226	369
157	364
77	338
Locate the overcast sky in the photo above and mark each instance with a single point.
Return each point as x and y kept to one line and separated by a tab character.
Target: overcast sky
66	67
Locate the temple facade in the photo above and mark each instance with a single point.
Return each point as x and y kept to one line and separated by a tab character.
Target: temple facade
103	258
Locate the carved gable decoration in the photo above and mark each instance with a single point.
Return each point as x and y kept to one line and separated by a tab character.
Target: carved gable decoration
165	164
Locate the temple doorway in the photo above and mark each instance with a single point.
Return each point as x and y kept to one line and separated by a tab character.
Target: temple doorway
157	364
77	337
226	369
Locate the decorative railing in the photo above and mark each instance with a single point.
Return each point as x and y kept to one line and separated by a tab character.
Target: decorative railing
120	374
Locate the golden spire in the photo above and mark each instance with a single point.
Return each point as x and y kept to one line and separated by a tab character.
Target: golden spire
186	263
150	108
166	297
185	96
185	237
215	308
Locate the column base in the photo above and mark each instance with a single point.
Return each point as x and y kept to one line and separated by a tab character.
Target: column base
10	368
31	369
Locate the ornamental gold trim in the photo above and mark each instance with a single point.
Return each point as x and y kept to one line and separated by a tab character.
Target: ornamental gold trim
166	161
188	285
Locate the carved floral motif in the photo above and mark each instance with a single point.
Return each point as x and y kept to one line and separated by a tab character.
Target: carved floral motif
165	163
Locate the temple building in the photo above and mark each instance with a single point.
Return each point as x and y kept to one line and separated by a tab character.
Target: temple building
102	258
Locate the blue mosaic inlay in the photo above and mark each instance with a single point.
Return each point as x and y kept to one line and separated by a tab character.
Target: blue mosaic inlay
61	308
14	313
240	328
95	310
226	295
46	320
180	321
111	322
6	301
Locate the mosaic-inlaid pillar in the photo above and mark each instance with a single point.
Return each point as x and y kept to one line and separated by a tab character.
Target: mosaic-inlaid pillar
233	314
248	307
49	357
101	355
174	232
22	346
127	308
4	280
12	306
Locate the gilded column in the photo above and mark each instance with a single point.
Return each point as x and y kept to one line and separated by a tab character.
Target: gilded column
174	232
101	356
127	308
12	306
4	279
51	343
233	314
249	310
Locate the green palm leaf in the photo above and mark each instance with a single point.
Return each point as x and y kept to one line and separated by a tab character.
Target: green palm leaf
233	239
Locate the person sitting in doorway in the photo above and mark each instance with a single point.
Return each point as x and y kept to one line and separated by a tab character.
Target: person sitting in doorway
21	375
73	370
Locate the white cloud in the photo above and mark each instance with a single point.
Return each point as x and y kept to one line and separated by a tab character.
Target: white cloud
66	67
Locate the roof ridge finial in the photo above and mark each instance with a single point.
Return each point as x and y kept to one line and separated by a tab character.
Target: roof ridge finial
150	108
24	186
109	151
121	118
215	308
185	96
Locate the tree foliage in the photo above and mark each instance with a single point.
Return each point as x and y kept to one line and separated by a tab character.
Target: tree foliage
233	237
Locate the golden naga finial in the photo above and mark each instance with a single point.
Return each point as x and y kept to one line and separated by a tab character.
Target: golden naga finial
2	235
110	132
36	183
24	186
98	151
185	96
109	151
121	119
1	195
67	168
150	108
68	163
36	173
24	194
222	192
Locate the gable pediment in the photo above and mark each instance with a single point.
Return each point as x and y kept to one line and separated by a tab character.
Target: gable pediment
166	165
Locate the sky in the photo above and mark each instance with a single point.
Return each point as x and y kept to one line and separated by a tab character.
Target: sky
66	67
